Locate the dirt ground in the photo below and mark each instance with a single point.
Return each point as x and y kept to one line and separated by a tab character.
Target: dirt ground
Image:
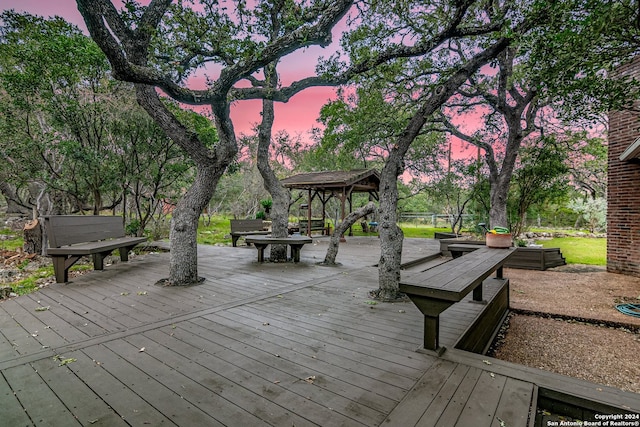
566	322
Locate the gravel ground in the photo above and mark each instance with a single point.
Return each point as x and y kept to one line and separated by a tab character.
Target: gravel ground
566	322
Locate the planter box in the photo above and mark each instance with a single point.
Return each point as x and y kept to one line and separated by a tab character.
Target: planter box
524	258
499	240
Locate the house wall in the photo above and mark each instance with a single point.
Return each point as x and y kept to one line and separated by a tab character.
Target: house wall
623	212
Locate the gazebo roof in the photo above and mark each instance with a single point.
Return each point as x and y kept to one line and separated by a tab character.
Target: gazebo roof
360	180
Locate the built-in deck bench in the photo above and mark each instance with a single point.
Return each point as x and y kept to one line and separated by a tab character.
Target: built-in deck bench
436	289
296	243
528	258
316	225
246	227
70	237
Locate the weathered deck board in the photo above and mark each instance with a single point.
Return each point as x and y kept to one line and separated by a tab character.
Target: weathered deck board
342	349
16	334
42	405
216	367
12	413
237	349
308	359
72	326
515	404
158	402
71	390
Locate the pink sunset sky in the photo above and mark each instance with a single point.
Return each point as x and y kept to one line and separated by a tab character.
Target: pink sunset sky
297	117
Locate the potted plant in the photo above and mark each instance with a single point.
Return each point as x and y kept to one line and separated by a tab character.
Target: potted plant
499	237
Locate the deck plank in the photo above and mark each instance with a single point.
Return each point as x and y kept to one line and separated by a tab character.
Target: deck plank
292	361
395	380
87	407
40	403
214	368
457	402
154	361
156	399
444	397
257	380
481	407
515	403
409	411
89	367
19	329
12	413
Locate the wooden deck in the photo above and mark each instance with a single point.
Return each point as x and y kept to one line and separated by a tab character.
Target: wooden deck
255	344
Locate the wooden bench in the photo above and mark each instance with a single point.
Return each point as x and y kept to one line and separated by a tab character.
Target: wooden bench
438	288
246	227
316	225
71	237
296	242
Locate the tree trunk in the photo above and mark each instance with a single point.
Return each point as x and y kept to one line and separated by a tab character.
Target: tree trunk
498	209
332	251
14	205
279	195
391	235
519	115
210	165
183	258
32	233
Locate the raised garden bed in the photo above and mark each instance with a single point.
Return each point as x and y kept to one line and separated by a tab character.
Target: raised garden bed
524	258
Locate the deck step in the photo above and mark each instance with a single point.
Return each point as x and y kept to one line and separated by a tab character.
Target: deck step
452	394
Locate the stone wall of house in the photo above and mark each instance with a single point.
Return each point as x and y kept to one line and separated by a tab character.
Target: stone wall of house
623	211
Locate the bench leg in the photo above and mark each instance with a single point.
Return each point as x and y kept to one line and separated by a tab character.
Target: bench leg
62	275
477	293
295	252
61	265
124	253
260	248
430	309
234	241
98	260
431	332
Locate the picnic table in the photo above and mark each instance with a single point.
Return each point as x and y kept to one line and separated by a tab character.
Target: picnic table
296	242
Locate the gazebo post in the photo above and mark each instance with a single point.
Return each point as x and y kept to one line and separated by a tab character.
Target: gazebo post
309	214
350	198
324	210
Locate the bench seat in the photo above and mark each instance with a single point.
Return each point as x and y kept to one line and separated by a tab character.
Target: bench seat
246	227
91	248
71	237
315	225
436	289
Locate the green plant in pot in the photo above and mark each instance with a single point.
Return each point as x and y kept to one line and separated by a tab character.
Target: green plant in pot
499	237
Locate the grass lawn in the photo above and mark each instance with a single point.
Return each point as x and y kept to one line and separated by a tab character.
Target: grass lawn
412	230
215	231
580	250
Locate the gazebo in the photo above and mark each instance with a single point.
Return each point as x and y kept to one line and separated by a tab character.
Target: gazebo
339	184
